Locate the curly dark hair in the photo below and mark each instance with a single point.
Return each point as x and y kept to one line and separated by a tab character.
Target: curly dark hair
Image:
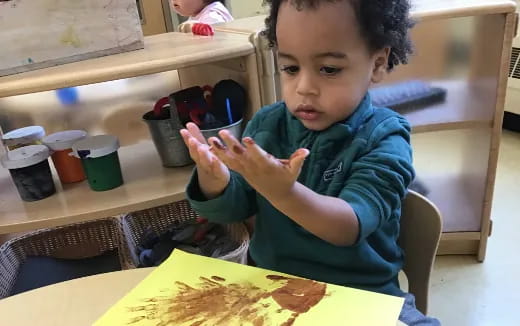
384	23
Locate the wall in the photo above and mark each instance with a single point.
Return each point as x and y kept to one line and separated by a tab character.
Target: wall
246	8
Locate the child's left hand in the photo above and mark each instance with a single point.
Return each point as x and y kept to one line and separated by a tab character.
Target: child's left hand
269	176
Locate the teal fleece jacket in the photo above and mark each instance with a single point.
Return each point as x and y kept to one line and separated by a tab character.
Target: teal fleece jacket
365	160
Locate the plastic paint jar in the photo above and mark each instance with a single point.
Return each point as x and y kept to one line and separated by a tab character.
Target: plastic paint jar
69	167
30	171
23	137
100	161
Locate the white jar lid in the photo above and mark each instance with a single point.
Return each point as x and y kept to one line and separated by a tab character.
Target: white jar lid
25	156
64	139
25	135
95	146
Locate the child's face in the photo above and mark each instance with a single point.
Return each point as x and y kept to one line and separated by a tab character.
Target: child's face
326	65
187	8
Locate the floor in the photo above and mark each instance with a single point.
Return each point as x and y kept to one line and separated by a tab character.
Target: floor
465	292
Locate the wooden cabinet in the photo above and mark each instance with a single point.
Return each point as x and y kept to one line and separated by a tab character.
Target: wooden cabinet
198	61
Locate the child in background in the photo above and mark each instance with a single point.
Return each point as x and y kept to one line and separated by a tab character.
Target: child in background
324	171
202	11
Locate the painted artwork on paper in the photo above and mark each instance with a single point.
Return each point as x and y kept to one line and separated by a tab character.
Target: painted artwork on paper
42	33
190	290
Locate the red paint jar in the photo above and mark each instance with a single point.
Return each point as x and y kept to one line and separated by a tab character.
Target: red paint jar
69	167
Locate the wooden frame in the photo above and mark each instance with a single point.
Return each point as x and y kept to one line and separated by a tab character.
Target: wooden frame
511	21
154	18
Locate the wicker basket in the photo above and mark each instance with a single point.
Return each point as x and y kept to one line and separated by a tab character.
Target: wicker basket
76	241
160	219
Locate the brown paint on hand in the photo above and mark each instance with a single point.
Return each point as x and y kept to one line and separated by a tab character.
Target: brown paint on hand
238	150
213	302
218	145
249	141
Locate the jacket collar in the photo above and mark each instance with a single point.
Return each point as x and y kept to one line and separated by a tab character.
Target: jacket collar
340	130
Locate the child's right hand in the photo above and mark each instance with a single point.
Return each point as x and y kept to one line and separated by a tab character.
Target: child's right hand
213	174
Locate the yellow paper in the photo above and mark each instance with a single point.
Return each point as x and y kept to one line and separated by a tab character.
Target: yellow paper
191	290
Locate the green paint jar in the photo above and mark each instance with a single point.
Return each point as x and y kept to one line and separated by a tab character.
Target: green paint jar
100	161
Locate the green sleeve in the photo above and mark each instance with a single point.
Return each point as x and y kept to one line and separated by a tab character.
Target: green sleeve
236	204
378	181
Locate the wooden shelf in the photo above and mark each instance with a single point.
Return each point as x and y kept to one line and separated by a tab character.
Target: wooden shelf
459	243
455	236
147	184
162	52
460	205
246	25
452	165
439	9
421	9
466	106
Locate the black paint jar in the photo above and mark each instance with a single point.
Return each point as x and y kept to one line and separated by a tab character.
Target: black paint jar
30	171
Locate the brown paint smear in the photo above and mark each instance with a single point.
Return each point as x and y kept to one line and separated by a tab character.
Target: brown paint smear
213	302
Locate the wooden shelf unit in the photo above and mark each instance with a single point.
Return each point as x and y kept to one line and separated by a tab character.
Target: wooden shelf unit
162	52
198	61
464	108
147	184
